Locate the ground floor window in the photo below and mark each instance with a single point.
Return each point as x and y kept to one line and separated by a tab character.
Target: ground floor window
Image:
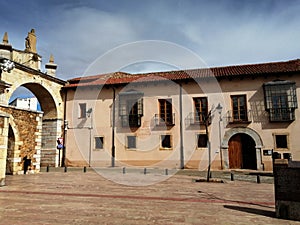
131	142
166	141
281	141
99	142
201	140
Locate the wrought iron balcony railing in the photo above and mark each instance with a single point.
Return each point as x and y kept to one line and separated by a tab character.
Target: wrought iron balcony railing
281	114
131	120
198	119
167	119
239	116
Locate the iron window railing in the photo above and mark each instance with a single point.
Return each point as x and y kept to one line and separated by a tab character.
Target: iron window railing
281	114
198	118
239	116
132	120
167	119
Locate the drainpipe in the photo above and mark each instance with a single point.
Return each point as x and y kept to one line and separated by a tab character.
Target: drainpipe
113	148
181	129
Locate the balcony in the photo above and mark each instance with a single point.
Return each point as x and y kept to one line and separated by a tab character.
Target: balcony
239	116
132	120
281	114
197	119
164	119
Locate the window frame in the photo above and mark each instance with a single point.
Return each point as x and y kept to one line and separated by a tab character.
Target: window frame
165	108
276	147
95	142
127	142
197	140
162	138
82	111
241	110
200	109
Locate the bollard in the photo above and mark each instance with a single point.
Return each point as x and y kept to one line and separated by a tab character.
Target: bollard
258	179
166	172
66	169
145	170
47	169
231	176
124	170
84	169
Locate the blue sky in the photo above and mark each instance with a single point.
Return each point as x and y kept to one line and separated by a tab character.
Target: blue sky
223	32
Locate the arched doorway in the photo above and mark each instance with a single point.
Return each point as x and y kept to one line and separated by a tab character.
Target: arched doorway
242	152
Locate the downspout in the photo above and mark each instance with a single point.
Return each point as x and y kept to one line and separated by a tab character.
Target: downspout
181	129
113	148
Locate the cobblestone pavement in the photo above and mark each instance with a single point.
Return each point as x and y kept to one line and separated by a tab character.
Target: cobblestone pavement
138	197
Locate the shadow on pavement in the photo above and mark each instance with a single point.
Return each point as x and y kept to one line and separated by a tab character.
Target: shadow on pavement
251	210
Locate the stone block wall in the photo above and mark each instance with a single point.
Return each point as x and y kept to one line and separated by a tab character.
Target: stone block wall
24	139
287	188
49	153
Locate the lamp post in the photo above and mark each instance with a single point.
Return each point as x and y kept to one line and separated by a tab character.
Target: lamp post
219	110
89	113
206	123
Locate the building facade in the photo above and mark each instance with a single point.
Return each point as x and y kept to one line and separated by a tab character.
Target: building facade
228	117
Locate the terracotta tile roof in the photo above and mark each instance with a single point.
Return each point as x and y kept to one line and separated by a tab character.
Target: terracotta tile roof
218	72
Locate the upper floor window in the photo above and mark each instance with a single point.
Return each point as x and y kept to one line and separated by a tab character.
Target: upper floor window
82	110
239	108
131	108
201	109
280	100
165	116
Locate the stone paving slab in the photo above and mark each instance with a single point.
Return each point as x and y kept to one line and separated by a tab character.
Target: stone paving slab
90	198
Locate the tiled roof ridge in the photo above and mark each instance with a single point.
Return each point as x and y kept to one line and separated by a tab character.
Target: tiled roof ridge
230	70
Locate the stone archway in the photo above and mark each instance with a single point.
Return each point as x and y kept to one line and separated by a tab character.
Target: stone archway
242	130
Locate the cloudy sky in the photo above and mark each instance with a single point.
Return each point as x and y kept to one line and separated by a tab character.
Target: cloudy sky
223	32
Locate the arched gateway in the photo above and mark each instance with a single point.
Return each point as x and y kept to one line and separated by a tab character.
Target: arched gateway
242	149
25	133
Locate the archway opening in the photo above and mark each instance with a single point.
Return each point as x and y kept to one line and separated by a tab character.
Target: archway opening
10	151
242	152
25	99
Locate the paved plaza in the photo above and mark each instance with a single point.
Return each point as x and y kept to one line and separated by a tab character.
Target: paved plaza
134	197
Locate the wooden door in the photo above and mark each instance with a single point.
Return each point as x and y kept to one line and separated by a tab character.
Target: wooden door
235	152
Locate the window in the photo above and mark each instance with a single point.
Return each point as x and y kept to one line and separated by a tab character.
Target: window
201	140
166	116
131	108
239	108
82	110
280	100
99	142
281	141
201	109
166	141
131	141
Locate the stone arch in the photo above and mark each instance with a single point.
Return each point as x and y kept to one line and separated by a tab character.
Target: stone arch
244	130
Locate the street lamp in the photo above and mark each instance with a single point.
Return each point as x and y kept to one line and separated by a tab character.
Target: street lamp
89	114
219	110
206	120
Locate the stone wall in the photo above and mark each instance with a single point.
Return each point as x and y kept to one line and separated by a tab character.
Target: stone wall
287	188
24	139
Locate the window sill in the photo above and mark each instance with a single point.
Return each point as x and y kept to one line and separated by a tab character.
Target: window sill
165	149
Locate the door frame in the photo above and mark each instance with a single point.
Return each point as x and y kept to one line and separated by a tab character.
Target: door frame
253	134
